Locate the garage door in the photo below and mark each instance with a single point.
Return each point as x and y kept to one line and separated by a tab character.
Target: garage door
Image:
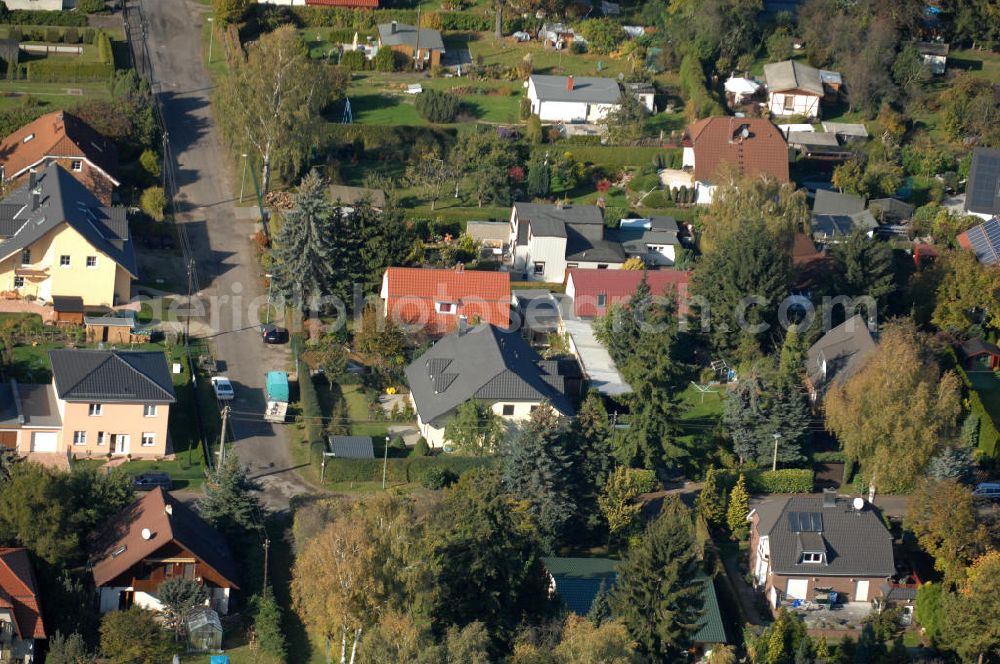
797	588
44	441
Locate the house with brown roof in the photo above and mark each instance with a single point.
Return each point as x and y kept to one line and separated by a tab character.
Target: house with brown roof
822	549
20	611
64	139
154	539
750	147
440	301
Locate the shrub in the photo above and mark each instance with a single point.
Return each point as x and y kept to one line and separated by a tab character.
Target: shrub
786	480
385	60
603	35
42	17
354	60
150	162
104	51
90	6
439	478
71	36
577	48
68	71
53	35
88	35
655	199
438	107
153	201
644	183
421	448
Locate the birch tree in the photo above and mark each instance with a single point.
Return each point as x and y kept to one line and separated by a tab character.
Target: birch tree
270	102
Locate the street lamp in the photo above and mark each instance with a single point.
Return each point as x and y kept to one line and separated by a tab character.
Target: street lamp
211	37
774	462
243	182
267	314
385	460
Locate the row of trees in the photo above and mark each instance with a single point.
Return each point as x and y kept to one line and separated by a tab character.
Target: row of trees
463	575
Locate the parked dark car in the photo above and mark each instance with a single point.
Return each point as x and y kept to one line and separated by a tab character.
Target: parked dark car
151	480
272	334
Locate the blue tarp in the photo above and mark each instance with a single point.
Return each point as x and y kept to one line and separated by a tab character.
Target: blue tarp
277	386
219	659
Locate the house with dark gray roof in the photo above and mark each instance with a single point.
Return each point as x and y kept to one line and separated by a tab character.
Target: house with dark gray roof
58	239
351	447
489	365
655	240
423	46
838	355
577	98
546	240
982	192
806	547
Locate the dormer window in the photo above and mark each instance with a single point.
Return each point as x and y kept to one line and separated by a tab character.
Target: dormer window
444	307
76	165
814	557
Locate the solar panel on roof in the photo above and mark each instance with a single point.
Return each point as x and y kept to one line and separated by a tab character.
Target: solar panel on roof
793	522
985	241
805	522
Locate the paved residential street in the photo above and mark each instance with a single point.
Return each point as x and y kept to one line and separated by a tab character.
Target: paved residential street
227	272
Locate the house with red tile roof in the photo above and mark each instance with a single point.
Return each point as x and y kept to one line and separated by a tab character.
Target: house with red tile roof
748	146
20	612
437	300
65	139
594	291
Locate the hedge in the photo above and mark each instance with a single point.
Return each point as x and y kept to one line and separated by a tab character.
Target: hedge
408	470
308	399
786	480
69	71
345	18
104	51
989	436
42	17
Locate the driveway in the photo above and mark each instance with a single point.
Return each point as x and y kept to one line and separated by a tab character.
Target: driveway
228	276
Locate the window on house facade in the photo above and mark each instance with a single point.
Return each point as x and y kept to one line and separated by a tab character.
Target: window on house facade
789	103
79	437
95	409
539	267
149	410
602	266
148	439
18	282
812	557
91	261
508	410
444	307
100	438
535	407
602	299
26	257
572	266
64	260
76	165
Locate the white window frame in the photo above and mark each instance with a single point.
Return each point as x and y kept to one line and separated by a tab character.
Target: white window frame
91	262
100	439
79	437
95	409
149	410
446	308
76	165
65	260
812	557
538	267
148	439
602	299
18	282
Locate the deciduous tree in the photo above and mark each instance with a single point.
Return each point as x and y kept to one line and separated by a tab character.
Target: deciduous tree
897	411
134	636
485	160
625	122
658	596
273	101
779	207
942	517
972	629
967	294
179	596
71	649
583	642
475	429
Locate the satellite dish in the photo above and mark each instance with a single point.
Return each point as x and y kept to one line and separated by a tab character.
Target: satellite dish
147	534
859	503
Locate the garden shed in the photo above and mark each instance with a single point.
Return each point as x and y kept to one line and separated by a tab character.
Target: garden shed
980	355
204	630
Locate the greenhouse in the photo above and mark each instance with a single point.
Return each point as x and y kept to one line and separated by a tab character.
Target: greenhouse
204	630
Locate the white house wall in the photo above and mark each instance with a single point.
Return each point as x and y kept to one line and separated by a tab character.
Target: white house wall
807	105
687	158
703	192
548	250
570	111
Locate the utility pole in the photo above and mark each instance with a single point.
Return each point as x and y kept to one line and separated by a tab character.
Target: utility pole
267	547
385	461
222	436
774	462
243	181
187	323
211	37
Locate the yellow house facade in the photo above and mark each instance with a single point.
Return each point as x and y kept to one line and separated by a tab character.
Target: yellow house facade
58	240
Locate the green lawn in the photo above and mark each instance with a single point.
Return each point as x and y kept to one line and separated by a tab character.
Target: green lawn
987	385
375	105
980	63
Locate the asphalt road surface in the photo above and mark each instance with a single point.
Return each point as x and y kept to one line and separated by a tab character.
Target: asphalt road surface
228	275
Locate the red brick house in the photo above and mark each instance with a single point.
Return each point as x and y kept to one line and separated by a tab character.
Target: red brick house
20	612
438	300
805	547
593	291
65	139
154	539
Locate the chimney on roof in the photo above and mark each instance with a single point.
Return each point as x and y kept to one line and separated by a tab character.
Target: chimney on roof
463	325
829	498
31	179
36	196
569	82
460	267
392	28
169	509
